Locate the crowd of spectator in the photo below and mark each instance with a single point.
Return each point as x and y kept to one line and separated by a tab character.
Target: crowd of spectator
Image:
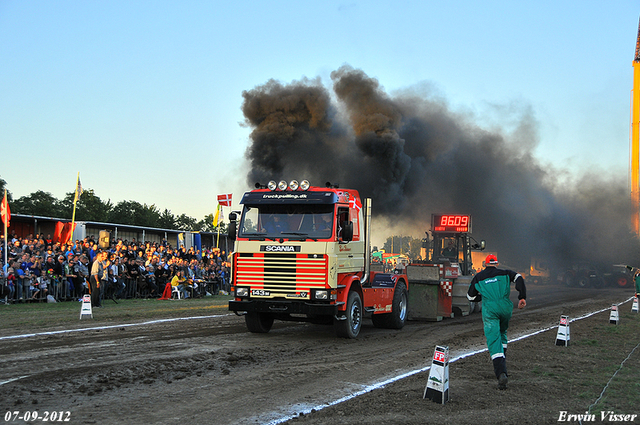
40	269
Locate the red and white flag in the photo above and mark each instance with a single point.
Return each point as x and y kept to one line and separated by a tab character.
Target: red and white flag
5	211
225	200
355	203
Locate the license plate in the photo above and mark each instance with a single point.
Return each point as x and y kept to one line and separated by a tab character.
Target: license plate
260	293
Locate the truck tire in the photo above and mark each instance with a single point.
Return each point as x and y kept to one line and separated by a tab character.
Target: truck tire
350	327
598	282
569	279
622	281
398	315
582	281
259	323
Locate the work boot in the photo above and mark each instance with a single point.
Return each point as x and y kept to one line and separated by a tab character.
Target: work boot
502	381
499	366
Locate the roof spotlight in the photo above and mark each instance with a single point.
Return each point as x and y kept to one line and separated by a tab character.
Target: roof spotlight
282	185
304	185
272	185
293	185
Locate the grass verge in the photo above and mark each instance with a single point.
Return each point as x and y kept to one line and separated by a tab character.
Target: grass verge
620	343
592	362
39	317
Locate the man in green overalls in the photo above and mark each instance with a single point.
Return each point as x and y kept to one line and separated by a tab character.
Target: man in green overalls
492	286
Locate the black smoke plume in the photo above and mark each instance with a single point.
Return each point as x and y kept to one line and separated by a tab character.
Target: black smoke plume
414	157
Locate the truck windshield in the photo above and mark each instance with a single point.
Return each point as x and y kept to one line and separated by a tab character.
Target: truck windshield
287	221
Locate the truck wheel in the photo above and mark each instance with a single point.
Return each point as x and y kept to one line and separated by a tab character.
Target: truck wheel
350	327
398	315
582	281
622	281
259	323
569	279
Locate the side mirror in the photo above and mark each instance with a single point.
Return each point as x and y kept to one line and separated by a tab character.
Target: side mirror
479	246
347	231
233	230
233	226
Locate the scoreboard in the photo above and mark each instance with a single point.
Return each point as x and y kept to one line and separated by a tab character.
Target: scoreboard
451	223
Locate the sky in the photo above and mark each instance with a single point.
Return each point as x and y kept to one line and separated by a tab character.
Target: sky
144	98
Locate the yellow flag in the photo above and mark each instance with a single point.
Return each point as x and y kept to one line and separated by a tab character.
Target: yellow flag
78	190
215	218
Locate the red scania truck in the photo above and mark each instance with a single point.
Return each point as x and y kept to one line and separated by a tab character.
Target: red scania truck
301	253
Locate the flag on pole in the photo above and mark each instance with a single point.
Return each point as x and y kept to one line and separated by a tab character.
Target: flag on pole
5	211
5	214
69	235
216	217
225	200
78	189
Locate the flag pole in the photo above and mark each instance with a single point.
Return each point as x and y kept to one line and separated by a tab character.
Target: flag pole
5	229
224	199
220	213
216	216
75	201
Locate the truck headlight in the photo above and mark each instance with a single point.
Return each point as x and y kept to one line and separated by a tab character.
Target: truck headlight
321	295
242	292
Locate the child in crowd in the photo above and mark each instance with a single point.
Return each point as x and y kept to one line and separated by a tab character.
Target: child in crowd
11	281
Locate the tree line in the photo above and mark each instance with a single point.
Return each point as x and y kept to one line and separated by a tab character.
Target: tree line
91	208
407	245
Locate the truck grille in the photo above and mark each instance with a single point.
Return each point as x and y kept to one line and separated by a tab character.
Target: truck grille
281	273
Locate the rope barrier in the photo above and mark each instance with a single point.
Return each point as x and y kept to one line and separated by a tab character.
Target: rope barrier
611	379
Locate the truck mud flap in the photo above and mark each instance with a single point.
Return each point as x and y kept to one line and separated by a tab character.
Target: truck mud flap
459	296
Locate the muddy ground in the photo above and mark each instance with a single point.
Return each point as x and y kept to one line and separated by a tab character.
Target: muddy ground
212	371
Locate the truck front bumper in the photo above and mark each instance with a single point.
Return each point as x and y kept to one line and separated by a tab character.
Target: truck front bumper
284	307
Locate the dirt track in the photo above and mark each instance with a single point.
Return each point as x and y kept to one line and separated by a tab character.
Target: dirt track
213	371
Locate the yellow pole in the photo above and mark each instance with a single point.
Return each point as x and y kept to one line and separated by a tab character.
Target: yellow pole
216	219
635	139
218	240
75	200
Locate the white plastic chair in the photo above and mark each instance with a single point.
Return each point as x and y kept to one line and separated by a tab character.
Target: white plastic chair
175	291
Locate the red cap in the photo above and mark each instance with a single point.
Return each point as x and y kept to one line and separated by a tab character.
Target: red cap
491	260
